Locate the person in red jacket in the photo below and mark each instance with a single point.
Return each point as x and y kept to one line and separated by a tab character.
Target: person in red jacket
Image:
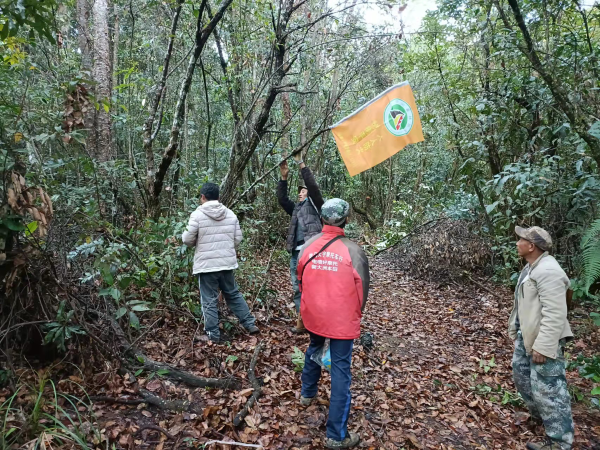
333	275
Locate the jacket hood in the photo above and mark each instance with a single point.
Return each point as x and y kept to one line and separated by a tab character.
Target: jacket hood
214	209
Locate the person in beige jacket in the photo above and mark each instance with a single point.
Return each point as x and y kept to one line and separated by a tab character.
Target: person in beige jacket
539	327
214	231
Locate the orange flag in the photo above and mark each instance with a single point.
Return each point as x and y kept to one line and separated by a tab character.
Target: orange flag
379	129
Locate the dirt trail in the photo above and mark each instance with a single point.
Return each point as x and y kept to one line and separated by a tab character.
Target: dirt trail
435	340
421	386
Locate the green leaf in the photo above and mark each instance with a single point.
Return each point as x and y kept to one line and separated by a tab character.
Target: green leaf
141	359
125	282
31	227
163	372
137	302
133	320
596	390
596	318
108	278
140	308
501	183
13	224
115	293
490	208
137	372
595	130
466	164
50	336
121	312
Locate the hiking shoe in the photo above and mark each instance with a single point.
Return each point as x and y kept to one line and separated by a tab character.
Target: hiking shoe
350	441
223	339
366	340
548	444
306	401
299	328
253	329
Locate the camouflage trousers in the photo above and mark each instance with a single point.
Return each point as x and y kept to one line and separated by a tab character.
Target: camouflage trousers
544	390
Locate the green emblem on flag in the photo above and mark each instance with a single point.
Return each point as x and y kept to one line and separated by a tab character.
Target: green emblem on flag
398	117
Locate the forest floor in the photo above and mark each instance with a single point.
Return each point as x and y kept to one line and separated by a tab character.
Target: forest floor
438	377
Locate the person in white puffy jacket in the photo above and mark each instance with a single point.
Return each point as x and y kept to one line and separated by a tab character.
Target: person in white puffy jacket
215	232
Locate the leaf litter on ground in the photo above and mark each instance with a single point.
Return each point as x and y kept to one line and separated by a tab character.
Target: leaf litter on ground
437	377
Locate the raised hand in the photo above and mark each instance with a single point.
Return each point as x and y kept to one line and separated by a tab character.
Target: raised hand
284	169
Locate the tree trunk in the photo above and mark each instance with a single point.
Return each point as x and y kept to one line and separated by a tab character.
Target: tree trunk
208	117
471	175
148	129
365	213
115	47
391	191
84	43
241	154
306	124
331	103
350	22
202	35
287	117
579	124
102	74
487	128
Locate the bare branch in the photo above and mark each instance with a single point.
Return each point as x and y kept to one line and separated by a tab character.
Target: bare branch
202	35
148	125
294	152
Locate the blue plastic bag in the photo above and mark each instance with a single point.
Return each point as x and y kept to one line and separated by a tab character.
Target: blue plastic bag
323	356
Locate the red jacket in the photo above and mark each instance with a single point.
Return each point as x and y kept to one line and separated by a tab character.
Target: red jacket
334	285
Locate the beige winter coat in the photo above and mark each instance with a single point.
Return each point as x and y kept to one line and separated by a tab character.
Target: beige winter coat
215	232
542	305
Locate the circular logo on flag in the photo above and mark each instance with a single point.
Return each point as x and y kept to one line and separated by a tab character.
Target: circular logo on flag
398	117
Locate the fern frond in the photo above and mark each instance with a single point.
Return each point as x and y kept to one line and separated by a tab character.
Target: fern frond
590	254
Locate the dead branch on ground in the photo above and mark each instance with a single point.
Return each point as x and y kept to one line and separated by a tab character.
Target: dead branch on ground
257	385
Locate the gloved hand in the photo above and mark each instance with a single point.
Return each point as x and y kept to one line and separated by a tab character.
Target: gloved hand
298	157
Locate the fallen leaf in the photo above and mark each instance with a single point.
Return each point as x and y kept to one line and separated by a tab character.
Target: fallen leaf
246	392
413	439
153	385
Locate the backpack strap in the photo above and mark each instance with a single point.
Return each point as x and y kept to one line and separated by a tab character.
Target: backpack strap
313	205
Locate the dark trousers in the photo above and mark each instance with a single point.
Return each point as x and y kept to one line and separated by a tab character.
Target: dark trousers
339	405
294	278
210	284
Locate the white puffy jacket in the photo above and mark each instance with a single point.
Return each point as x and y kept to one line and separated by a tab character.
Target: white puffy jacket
215	232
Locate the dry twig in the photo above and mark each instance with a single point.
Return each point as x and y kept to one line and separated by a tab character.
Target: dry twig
239	418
